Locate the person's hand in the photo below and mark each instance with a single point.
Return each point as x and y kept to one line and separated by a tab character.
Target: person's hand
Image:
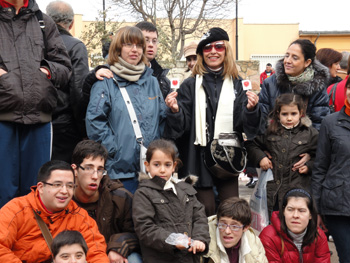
253	99
268	154
45	71
265	163
197	246
305	157
2	72
114	257
320	223
171	102
180	247
303	170
103	72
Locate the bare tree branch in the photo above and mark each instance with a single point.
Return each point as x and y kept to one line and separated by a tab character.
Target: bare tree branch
178	20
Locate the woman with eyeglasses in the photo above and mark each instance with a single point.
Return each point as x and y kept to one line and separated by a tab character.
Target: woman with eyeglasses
210	102
231	238
107	118
293	235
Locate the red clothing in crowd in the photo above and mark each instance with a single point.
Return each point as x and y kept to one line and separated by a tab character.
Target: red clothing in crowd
264	75
317	252
339	94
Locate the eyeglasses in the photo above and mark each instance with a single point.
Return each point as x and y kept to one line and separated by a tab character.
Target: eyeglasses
131	46
153	41
219	47
223	227
69	186
90	171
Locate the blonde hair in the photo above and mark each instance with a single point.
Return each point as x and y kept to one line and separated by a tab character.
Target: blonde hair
127	34
230	68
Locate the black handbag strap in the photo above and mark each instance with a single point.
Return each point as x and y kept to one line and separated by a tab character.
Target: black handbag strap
332	93
44	230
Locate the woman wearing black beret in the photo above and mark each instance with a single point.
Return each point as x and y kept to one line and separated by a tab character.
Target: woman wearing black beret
210	102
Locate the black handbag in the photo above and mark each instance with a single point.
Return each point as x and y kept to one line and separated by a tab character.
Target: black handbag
226	156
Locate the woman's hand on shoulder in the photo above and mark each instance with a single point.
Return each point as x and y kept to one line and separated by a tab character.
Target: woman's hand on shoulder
253	100
171	102
104	72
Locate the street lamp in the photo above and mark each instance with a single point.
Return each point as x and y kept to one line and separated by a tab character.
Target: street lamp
104	15
236	29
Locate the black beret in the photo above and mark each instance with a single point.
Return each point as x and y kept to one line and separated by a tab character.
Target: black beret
214	34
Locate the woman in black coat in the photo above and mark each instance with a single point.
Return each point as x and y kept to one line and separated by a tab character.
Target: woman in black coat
330	181
210	102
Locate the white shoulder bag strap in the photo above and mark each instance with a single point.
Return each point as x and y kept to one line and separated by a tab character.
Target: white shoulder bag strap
135	125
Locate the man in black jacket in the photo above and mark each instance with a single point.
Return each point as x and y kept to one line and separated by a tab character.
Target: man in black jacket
106	201
67	127
150	33
33	64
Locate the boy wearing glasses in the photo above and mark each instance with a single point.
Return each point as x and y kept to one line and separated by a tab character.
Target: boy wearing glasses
21	239
231	238
106	201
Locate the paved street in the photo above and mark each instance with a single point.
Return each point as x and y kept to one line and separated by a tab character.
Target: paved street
245	192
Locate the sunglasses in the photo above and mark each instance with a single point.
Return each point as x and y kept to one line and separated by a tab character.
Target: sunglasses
219	47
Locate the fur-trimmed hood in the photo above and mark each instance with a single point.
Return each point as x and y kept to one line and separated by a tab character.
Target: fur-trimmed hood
304	121
191	179
317	84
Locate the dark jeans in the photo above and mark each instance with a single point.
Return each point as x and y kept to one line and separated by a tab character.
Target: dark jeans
339	227
130	184
23	150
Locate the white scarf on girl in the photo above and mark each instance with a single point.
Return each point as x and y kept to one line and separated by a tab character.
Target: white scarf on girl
224	117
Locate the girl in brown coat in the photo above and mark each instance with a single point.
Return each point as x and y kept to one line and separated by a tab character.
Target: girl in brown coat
163	205
288	137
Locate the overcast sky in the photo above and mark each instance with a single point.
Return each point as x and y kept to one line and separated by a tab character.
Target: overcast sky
312	15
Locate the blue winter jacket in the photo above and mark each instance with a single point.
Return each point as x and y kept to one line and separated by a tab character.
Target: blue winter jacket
108	121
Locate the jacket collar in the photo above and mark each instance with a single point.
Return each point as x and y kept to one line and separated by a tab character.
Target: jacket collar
33	198
343	120
158	183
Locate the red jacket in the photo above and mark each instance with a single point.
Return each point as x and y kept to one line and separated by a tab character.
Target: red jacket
339	94
264	76
317	252
21	239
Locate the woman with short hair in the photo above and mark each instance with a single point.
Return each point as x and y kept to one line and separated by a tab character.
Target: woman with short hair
107	118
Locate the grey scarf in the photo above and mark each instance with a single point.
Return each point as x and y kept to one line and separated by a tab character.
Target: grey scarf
307	75
127	71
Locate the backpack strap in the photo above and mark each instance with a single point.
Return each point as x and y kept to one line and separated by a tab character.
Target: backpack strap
44	230
331	94
39	16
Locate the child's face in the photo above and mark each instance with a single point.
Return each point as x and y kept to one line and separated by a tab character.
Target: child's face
70	253
289	115
230	238
161	165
